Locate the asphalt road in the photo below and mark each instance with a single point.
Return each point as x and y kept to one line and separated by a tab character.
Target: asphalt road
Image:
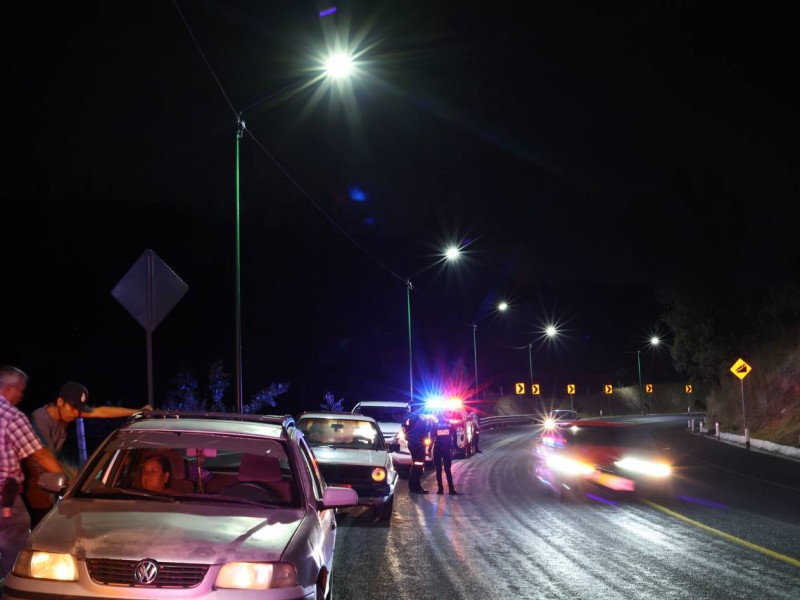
732	531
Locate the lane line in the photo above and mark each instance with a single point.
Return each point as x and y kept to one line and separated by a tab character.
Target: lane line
722	534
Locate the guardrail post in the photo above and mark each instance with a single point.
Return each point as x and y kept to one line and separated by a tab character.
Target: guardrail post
747	438
716	427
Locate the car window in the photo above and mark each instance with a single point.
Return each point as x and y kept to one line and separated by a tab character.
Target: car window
317	480
194	463
384	414
341	433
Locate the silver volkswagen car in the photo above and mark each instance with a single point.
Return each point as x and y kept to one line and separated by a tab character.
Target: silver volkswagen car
176	505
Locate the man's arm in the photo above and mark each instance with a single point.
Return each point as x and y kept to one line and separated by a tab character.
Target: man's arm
113	412
48	460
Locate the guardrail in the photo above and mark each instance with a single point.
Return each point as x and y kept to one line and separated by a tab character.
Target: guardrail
493	422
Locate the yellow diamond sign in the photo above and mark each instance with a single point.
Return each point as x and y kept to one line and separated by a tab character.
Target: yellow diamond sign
741	369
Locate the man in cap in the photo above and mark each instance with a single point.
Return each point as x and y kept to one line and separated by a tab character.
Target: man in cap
50	423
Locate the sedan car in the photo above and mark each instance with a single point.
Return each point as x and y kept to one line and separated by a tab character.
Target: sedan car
351	452
389	416
237	515
580	457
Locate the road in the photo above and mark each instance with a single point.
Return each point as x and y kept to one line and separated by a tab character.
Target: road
732	531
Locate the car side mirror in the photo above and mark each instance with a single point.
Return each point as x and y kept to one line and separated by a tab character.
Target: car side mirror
54	482
394	447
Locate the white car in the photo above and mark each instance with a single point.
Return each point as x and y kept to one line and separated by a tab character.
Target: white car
390	417
244	513
351	452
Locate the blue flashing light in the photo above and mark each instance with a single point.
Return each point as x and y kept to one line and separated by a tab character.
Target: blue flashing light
327	12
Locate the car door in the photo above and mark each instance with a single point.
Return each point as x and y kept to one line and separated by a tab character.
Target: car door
327	516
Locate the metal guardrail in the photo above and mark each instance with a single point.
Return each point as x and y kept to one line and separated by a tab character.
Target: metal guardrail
502	421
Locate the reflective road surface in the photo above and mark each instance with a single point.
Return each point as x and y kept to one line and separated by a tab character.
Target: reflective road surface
731	531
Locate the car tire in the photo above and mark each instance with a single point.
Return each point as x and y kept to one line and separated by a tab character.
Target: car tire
385	510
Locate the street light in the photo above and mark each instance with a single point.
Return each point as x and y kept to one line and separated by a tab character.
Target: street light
549	332
336	66
653	342
501	307
450	254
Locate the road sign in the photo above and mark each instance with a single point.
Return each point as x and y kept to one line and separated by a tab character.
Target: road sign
519	388
648	387
688	388
609	388
535	389
571	388
741	369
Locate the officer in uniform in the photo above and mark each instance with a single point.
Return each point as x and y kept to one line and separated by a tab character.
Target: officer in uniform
443	453
416	429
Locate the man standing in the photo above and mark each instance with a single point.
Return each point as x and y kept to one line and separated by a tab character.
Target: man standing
443	454
416	429
17	441
50	423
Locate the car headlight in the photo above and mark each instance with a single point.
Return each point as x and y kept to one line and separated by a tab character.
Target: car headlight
568	465
645	467
378	474
46	565
256	576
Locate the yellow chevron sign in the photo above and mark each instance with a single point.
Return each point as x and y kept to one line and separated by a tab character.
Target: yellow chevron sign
571	388
519	388
609	388
535	389
688	388
648	387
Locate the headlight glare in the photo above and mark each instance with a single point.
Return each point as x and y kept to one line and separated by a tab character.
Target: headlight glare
256	576
46	565
645	467
568	465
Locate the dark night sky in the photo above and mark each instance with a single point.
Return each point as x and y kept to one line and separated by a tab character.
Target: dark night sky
584	152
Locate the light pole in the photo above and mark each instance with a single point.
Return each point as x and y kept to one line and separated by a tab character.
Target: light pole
338	65
501	307
450	254
653	342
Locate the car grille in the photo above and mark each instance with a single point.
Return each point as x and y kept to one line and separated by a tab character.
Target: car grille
346	473
121	572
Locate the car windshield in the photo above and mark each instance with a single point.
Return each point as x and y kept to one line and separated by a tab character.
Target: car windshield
385	414
170	464
341	433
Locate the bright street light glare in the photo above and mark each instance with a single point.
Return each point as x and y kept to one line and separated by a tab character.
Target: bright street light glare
502	306
339	65
551	331
452	253
654	340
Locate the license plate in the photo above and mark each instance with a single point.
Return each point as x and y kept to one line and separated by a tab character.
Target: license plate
442	432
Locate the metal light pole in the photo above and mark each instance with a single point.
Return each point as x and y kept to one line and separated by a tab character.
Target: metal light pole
639	364
475	353
239	133
410	287
530	360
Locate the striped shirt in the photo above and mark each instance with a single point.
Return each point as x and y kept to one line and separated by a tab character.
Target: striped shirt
17	441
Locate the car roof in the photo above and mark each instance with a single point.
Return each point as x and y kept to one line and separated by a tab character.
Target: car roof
335	415
210	422
389	404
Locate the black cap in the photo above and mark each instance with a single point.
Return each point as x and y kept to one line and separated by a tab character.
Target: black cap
76	395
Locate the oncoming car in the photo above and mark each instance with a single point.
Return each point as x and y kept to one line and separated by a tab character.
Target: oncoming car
580	457
235	517
351	452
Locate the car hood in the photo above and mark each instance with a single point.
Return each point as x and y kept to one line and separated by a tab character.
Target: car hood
132	530
349	456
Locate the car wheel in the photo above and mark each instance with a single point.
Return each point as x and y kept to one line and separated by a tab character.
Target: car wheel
384	511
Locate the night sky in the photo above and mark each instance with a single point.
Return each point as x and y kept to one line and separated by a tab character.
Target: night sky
581	153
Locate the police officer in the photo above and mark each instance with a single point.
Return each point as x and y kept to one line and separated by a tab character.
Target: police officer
443	454
416	429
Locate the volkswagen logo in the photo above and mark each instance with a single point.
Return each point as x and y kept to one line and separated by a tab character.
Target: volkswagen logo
145	571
